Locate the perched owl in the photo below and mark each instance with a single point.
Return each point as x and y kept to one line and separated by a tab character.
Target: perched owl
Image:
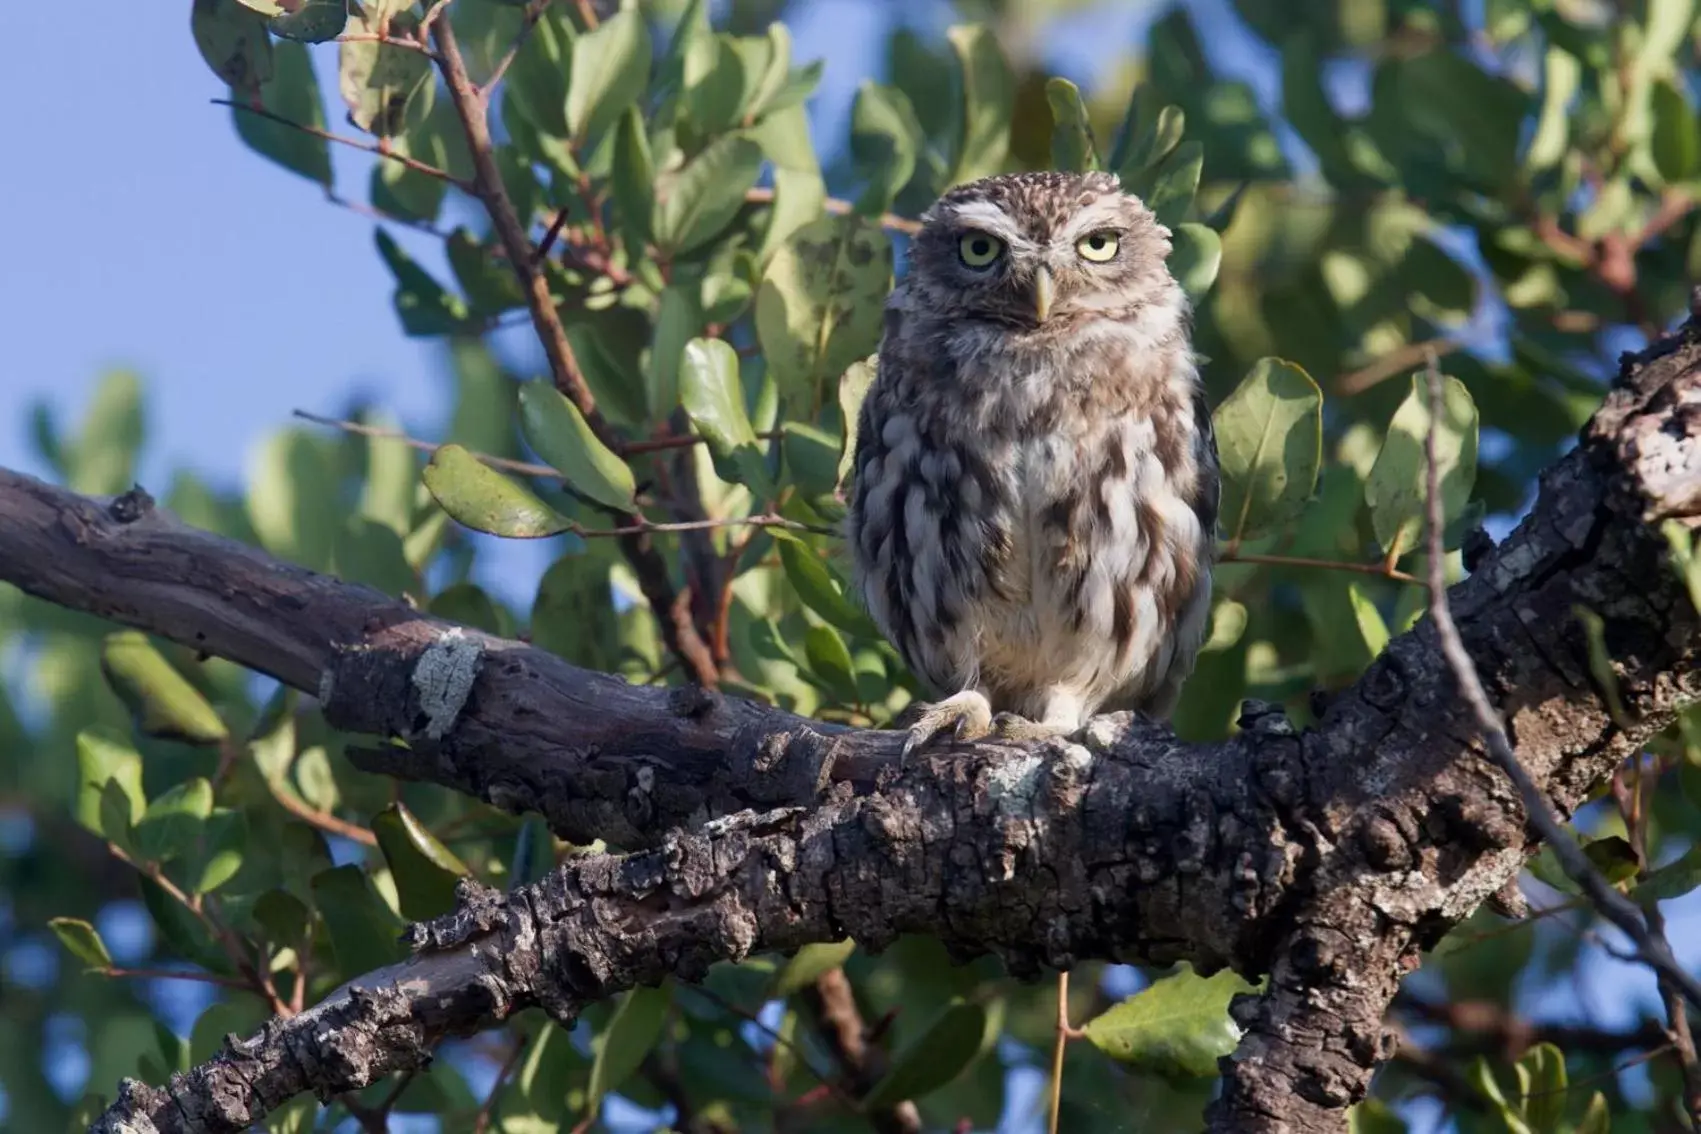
1034	509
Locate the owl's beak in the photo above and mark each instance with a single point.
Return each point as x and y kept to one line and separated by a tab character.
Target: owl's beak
1044	290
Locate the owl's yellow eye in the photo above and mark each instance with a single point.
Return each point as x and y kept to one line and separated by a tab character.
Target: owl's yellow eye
1098	246
978	249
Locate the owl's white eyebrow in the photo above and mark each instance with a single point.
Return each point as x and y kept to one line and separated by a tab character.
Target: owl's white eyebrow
988	216
1097	215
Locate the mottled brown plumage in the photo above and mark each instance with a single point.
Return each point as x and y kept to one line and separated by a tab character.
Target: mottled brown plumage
1034	506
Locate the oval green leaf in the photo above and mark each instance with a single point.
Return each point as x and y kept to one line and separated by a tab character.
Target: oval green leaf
161	699
425	871
611	67
1196	252
365	935
939	1055
1177	1027
554	427
713	396
1395	489
1270	444
630	1035
1072	145
484	500
171	826
82	941
821	305
803	967
695	203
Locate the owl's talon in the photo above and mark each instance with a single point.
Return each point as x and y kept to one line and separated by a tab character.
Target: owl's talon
964	716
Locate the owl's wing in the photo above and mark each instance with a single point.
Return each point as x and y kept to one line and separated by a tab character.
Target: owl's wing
1208	492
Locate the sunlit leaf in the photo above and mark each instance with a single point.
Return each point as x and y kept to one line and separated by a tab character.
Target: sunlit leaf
1177	1026
483	499
695	203
629	1036
160	698
559	433
1395	489
988	102
425	871
611	66
1269	440
82	941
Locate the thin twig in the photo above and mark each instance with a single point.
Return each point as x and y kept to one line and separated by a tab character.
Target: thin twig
1057	1047
481	1122
1380	570
891	221
1607	901
640	526
534	12
167	974
388	40
472	106
1393	363
353	143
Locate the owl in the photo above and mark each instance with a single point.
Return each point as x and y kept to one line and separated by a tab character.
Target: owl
1033	512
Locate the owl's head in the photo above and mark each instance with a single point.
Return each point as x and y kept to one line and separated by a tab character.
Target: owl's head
1042	252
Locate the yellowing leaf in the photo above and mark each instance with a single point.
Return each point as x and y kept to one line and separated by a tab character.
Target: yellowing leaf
160	698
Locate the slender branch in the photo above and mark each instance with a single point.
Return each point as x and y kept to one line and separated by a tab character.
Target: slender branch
472	106
764	196
353	143
389	40
1395	362
1650	947
1380	570
640	527
534	12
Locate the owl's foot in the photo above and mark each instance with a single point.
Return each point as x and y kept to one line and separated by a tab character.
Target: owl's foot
1010	726
966	716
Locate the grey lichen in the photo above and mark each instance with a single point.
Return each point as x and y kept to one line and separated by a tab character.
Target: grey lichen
444	678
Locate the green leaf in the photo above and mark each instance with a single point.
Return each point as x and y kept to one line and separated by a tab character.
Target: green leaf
611	67
289	485
713	396
82	941
1676	141
1270	444
821	305
1597	1119
885	141
172	823
312	21
819	589
218	858
1542	1071
1395	489
364	933
103	457
1372	1116
537	80
803	967
629	1036
1614	857
425	308
467	604
554	427
425	871
1371	628
186	934
853	388
386	88
292	93
1177	1027
713	74
632	178
1196	252
1171	195
829	659
937	1056
233	41
1156	143
160	698
103	757
678	318
1072	145
478	497
1561	75
989	103
697	201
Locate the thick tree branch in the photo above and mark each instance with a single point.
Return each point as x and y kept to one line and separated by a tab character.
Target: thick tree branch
1327	859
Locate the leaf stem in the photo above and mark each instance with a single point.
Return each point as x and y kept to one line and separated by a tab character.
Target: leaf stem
764	196
375	148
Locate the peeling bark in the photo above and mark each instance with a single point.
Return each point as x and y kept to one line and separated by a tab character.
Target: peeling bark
1327	859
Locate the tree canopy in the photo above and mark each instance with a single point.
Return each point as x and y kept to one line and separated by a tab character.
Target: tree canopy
640	852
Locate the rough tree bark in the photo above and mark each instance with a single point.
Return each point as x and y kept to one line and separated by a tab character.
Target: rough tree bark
1327	859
